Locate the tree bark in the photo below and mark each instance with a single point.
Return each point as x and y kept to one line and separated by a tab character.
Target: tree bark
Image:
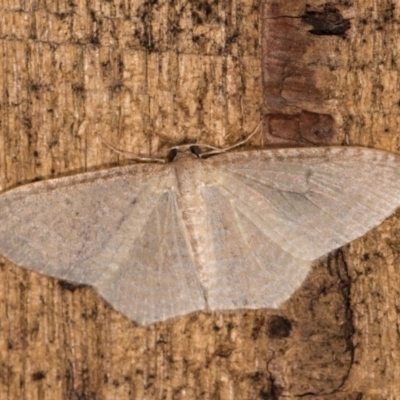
145	75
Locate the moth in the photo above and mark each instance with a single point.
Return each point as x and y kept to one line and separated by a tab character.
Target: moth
237	230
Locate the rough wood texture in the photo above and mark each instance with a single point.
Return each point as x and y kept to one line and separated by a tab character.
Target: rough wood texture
145	75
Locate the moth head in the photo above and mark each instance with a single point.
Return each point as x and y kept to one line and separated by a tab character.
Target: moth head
184	151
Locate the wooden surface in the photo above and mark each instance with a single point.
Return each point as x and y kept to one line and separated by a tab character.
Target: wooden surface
147	75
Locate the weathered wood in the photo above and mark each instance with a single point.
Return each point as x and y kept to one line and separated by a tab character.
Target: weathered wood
145	75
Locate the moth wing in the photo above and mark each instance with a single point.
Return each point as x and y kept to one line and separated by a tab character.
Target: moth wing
244	268
118	230
282	209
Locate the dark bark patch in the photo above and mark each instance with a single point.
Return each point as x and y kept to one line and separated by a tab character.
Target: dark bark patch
327	21
279	327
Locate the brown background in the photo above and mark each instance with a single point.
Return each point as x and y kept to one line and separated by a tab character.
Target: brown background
149	74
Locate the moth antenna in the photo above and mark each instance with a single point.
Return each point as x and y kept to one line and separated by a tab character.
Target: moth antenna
241	143
133	157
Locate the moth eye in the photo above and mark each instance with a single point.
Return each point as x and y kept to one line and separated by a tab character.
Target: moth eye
171	155
195	150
